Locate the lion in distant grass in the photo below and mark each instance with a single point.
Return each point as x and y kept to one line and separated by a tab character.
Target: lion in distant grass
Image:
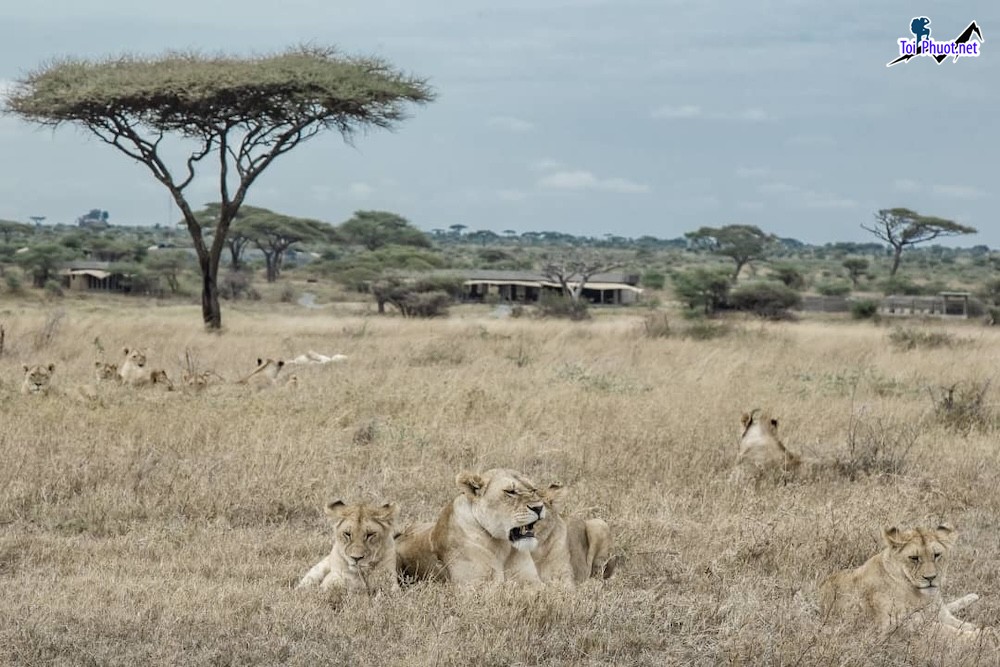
105	371
363	557
901	585
134	371
486	534
37	379
570	550
265	375
761	448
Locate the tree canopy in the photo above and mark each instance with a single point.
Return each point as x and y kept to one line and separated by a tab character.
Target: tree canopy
741	243
376	229
247	111
901	228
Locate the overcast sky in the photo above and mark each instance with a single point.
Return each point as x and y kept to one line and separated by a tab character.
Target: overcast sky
629	117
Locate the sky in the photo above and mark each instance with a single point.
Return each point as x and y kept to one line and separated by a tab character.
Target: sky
590	117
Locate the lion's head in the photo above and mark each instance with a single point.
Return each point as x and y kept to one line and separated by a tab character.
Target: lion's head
159	377
135	357
505	503
759	441
918	556
37	378
105	371
552	497
362	534
266	373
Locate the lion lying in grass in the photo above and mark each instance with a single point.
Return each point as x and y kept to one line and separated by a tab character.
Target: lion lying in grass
37	379
135	373
901	585
485	535
760	447
570	550
363	557
265	375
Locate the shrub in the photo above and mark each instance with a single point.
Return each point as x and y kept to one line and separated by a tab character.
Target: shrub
962	406
877	447
704	289
654	280
834	289
287	294
555	305
864	309
425	304
656	325
993	316
423	298
14	283
707	330
767	299
53	288
907	338
790	276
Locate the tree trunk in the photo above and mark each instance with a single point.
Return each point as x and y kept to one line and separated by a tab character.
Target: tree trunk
897	254
740	263
271	268
211	312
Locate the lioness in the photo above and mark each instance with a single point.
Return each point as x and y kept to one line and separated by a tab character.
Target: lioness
901	585
485	534
106	372
265	375
760	446
37	379
570	550
135	373
364	553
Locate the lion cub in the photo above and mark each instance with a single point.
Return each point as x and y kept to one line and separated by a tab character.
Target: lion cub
364	554
570	550
135	373
900	585
761	448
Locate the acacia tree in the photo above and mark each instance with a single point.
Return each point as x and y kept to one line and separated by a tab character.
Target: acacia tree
375	229
244	111
10	229
741	243
274	234
901	228
573	271
855	267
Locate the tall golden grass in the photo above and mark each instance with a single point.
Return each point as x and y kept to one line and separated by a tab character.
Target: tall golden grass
170	528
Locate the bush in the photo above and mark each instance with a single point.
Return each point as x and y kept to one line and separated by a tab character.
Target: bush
425	304
877	447
236	285
656	325
962	407
864	309
834	289
790	276
906	338
14	283
287	294
704	289
654	280
993	316
53	288
707	330
766	299
555	305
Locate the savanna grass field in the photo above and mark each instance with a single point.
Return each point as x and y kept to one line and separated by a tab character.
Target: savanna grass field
170	528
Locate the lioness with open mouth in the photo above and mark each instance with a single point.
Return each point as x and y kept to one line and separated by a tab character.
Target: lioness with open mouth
486	534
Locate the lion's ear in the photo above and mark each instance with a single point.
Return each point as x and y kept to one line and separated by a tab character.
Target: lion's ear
774	423
52	367
894	537
946	534
260	362
472	483
281	363
26	367
745	419
97	364
387	513
125	350
335	508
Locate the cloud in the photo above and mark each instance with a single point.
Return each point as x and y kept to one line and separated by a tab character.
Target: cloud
511	124
958	191
905	185
804	197
545	164
512	195
360	190
811	141
691	111
685	111
752	172
750	205
580	179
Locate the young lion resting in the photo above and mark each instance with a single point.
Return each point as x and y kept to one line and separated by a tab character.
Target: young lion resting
485	534
901	585
364	554
570	550
760	446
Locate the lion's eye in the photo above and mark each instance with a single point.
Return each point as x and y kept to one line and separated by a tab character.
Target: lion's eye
915	559
511	492
936	556
346	534
369	536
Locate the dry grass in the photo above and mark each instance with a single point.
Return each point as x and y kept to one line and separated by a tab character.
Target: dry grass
169	528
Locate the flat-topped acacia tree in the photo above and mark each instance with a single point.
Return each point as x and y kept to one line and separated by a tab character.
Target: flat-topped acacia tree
242	111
